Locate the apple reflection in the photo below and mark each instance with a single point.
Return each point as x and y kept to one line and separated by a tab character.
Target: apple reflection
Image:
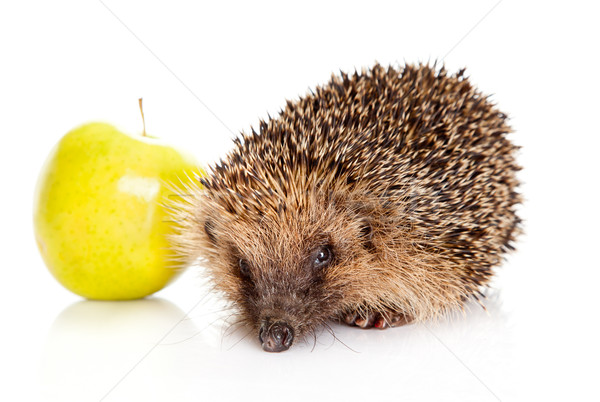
92	345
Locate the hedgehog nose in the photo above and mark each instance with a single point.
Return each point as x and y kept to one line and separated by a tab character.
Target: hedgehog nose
276	337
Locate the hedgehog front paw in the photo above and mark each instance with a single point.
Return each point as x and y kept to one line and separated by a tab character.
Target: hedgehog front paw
376	319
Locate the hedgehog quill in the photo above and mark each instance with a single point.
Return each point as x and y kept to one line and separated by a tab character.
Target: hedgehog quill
384	197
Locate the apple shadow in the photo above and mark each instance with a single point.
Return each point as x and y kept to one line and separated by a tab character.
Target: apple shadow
92	345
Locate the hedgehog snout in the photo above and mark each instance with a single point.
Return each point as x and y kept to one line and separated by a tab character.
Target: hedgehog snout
275	336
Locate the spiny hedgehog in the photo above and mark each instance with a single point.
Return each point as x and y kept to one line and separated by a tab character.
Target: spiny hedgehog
384	197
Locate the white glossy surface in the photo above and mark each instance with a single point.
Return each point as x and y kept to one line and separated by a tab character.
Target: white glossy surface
65	63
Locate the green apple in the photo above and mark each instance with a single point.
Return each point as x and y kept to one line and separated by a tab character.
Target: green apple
99	216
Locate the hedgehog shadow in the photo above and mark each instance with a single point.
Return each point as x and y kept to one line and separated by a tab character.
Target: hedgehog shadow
487	320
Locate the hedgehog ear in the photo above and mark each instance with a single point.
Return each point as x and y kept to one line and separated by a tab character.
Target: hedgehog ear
366	233
209	230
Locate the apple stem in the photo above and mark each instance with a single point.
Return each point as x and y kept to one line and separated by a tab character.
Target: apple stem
143	120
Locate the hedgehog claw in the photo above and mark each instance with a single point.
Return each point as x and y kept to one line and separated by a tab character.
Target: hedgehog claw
376	319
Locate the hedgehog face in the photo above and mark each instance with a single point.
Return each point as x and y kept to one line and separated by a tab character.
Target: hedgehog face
287	272
284	298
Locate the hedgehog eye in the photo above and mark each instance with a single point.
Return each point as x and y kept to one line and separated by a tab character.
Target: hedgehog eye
322	257
244	267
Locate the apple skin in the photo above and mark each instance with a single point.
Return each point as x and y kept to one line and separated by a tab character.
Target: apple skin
99	216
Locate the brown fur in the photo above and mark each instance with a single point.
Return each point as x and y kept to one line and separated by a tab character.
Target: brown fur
406	174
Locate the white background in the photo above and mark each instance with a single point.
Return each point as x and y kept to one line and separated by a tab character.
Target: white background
208	71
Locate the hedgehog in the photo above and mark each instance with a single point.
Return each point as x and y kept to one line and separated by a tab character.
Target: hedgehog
385	197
